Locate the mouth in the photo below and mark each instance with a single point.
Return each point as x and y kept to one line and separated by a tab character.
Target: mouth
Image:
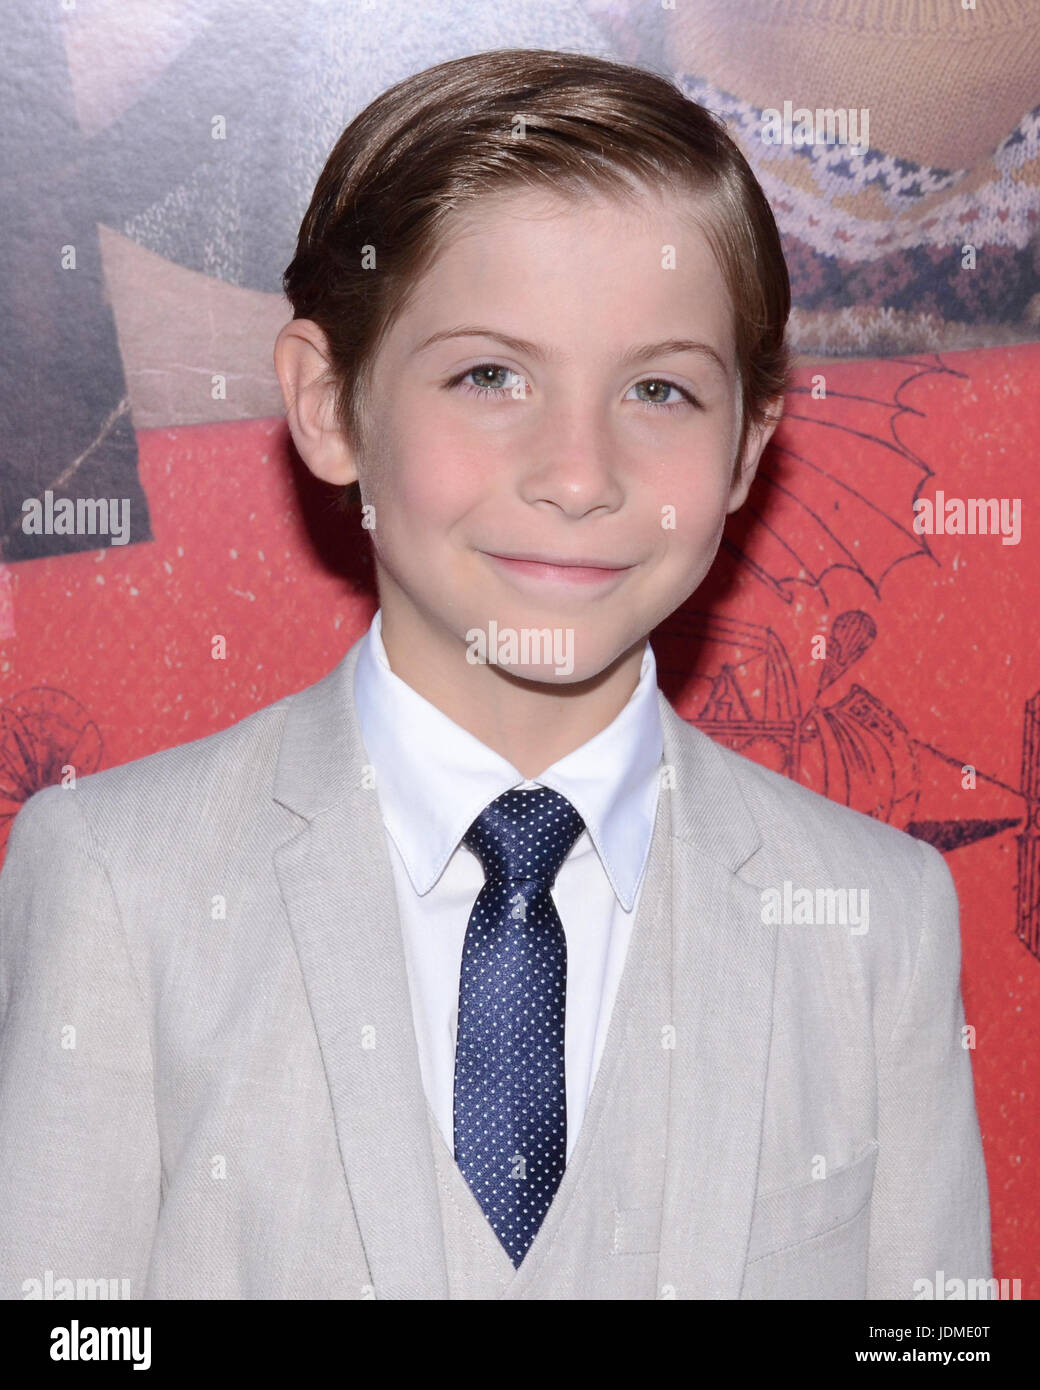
554	569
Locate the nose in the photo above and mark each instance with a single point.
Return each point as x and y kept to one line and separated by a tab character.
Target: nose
573	463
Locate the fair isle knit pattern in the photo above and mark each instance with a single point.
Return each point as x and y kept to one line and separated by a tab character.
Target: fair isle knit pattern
901	277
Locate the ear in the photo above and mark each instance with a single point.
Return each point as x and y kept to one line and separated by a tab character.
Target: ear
754	447
301	360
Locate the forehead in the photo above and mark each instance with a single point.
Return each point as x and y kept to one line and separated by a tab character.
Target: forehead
594	257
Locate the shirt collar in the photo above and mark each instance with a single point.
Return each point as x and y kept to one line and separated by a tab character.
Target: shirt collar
417	751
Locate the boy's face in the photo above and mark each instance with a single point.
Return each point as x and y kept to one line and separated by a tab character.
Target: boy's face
569	485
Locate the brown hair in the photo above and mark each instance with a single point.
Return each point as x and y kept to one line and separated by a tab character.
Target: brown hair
513	119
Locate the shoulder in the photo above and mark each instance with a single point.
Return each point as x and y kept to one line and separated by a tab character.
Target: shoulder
804	828
240	755
207	777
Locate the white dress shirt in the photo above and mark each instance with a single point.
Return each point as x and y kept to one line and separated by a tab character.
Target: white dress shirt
433	778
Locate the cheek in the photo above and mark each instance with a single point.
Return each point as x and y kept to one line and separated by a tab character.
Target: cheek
422	485
692	502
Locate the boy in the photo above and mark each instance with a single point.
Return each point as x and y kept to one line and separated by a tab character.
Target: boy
494	1007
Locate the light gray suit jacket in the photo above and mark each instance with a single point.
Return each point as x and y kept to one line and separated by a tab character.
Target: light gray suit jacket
209	1084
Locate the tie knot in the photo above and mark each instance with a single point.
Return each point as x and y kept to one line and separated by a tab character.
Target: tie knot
525	834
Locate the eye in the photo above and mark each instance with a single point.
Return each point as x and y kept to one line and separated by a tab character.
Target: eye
495	381
656	401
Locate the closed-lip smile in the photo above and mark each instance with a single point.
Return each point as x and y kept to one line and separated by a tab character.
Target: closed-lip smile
559	562
564	571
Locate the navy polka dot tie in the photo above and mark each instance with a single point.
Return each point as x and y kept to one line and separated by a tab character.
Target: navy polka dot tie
510	1083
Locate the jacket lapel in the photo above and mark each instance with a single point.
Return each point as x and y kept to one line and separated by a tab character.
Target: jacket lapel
724	958
337	884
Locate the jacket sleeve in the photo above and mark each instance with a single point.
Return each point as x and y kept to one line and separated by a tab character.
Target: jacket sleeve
79	1151
930	1208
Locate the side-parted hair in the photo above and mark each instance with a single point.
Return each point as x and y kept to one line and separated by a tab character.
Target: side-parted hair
510	120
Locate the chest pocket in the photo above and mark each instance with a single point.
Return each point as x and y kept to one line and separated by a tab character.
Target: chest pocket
812	1241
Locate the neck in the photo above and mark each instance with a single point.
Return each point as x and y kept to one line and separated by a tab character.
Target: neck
531	724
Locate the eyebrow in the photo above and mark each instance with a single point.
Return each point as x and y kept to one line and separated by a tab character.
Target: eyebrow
668	347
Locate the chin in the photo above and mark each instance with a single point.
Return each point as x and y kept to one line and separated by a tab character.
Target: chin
565	668
548	652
